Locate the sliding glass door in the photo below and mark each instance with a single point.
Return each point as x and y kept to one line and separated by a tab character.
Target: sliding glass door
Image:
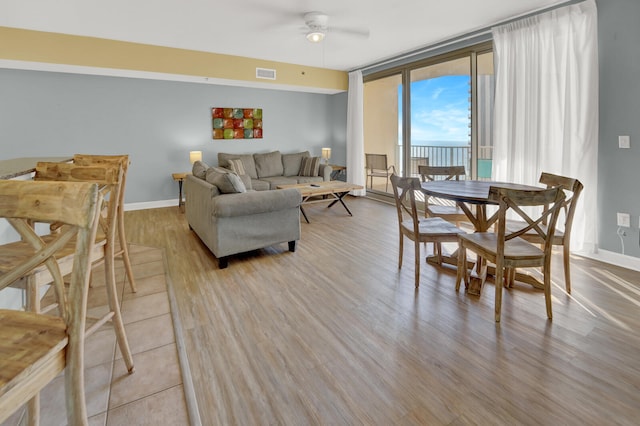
438	111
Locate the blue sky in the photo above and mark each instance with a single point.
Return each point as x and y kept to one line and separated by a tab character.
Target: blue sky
440	109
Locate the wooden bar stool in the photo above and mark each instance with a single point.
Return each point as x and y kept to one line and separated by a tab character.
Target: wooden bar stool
109	180
35	348
123	160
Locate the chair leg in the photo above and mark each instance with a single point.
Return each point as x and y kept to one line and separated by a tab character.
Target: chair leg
498	286
125	251
547	287
401	247
417	262
114	305
566	254
462	267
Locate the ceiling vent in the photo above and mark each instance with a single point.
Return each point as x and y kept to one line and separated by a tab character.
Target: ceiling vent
265	73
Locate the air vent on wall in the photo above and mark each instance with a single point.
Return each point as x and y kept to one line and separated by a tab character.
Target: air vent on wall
265	73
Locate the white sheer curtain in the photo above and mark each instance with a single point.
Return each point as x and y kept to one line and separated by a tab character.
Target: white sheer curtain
355	132
546	105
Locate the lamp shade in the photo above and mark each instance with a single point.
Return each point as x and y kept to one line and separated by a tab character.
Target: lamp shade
195	156
326	153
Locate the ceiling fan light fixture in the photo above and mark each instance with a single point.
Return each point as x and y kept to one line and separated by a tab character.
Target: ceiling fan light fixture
315	36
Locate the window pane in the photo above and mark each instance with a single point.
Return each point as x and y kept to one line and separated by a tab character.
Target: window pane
441	115
382	125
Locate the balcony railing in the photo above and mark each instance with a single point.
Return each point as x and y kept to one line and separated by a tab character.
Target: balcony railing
449	156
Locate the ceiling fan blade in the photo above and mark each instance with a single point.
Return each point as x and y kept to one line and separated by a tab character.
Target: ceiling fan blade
358	32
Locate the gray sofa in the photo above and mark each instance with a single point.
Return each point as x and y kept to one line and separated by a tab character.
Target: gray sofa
231	219
267	170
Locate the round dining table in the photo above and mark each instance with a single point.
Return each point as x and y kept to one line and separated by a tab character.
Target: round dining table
476	192
467	193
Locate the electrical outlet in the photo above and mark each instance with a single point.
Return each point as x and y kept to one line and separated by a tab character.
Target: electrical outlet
624	219
624	142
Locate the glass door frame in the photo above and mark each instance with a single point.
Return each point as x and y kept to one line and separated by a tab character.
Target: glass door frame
405	71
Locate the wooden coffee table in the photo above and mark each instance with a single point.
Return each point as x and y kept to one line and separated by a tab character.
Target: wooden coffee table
336	189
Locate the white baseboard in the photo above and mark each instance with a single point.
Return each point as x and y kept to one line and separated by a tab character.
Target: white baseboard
151	205
613	258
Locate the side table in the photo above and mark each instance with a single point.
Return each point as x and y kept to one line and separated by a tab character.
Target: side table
338	172
179	177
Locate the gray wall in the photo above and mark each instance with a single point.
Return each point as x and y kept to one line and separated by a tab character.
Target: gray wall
619	169
156	122
159	122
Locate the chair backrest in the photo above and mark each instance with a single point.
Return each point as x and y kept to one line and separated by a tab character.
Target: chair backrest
76	205
404	189
93	159
549	201
430	173
109	178
376	162
572	189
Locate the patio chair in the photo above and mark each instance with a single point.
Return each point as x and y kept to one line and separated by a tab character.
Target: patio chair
377	166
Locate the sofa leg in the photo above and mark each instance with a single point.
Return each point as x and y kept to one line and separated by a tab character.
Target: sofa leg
223	262
292	246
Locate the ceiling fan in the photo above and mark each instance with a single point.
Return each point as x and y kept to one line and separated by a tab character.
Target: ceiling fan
318	26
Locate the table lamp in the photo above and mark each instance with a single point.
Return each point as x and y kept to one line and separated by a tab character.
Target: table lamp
195	156
326	154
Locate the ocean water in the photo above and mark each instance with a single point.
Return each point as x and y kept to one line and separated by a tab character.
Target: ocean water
440	143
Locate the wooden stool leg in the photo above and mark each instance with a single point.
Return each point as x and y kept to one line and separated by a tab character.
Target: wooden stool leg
114	305
33	411
124	247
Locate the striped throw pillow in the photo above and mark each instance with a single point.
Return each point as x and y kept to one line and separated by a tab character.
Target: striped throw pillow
309	166
237	167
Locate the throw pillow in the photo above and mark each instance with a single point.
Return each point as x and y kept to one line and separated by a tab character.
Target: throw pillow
199	169
291	162
309	166
237	167
268	164
227	183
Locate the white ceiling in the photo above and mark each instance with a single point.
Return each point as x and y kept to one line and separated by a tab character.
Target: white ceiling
273	29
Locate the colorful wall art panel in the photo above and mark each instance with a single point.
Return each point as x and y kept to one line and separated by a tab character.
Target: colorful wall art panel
237	123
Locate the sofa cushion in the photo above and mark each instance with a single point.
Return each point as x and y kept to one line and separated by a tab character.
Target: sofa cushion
247	161
199	169
291	162
269	164
260	185
274	181
309	166
227	183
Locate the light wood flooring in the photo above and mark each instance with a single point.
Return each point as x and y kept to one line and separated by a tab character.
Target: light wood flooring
335	334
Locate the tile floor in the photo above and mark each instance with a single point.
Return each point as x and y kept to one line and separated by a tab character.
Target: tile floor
153	394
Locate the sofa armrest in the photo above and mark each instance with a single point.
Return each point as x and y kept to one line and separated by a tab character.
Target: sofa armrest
255	202
325	171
